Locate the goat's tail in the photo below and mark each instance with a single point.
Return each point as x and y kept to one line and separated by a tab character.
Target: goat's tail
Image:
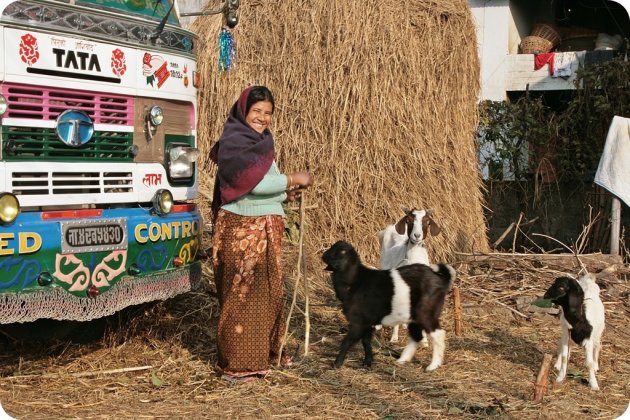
446	272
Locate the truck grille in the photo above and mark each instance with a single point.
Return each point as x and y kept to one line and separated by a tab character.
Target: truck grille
28	143
47	183
46	103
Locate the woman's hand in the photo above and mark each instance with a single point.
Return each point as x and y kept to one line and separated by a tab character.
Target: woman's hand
302	179
294	195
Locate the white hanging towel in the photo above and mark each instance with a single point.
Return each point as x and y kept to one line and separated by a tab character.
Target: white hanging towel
563	64
613	172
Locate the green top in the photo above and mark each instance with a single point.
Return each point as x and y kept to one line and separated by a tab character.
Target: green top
266	198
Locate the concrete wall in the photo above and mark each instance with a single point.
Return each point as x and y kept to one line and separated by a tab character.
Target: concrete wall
492	18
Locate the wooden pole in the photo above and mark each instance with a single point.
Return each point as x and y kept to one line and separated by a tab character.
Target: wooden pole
295	287
542	379
615	224
457	311
307	318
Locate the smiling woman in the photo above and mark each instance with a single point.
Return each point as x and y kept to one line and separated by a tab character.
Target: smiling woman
247	233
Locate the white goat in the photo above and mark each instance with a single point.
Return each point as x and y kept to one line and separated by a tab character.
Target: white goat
402	243
582	319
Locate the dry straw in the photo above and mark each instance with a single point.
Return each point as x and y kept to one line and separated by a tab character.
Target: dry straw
378	97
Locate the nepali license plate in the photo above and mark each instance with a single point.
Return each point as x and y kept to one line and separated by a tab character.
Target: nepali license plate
93	235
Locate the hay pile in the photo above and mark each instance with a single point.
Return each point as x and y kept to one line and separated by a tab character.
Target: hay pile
378	98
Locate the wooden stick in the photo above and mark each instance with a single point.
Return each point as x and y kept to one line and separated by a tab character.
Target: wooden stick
504	234
307	318
520	217
542	379
286	327
457	311
298	275
82	374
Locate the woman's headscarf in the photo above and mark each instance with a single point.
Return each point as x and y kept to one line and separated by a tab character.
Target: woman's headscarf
242	154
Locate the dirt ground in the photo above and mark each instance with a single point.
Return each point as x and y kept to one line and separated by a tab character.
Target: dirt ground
156	361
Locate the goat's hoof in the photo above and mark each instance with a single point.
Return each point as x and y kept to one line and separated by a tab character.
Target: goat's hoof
424	343
401	361
595	387
393	340
432	367
367	364
337	365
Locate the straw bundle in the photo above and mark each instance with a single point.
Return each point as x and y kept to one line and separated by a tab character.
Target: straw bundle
379	98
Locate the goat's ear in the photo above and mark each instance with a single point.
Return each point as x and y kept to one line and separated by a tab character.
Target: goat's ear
401	226
434	228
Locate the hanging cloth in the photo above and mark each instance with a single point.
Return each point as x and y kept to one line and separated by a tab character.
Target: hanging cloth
545	58
613	172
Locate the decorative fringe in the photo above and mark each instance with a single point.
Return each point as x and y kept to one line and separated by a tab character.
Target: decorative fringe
56	303
227	50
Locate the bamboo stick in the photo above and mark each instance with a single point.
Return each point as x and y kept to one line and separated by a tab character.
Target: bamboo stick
542	379
307	318
298	276
83	374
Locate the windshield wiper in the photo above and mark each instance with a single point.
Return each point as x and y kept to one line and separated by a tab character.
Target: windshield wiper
160	28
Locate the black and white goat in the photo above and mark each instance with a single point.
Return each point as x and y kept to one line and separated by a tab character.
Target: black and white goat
582	319
412	294
402	243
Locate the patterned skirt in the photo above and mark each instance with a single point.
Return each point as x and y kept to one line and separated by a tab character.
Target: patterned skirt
248	274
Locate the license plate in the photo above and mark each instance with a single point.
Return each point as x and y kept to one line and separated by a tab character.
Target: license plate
93	235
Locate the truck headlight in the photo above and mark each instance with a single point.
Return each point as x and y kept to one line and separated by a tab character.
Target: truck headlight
3	105
9	207
156	116
162	202
182	161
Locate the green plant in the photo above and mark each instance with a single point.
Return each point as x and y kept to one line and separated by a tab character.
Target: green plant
517	133
603	92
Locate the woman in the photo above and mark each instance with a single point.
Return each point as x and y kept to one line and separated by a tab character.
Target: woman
248	224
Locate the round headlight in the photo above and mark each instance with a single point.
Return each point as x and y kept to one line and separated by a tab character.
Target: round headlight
163	202
3	105
9	207
156	116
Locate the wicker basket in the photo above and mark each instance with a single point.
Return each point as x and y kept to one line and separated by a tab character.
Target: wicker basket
535	45
548	32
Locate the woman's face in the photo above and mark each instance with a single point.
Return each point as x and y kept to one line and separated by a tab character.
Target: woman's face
259	115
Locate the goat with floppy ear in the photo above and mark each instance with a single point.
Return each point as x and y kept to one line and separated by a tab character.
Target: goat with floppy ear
402	243
411	294
581	319
411	230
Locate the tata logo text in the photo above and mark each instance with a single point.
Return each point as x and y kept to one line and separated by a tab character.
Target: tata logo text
78	60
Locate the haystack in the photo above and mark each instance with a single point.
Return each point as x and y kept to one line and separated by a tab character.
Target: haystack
377	98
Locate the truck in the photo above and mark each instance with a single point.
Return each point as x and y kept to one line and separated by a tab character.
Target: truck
97	158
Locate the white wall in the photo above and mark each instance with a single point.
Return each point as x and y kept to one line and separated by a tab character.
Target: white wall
493	21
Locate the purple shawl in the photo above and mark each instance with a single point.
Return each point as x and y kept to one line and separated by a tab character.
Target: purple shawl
242	154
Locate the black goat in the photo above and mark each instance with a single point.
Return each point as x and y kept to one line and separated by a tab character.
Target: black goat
412	294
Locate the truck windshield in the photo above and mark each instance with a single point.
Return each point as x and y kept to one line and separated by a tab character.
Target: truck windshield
152	9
